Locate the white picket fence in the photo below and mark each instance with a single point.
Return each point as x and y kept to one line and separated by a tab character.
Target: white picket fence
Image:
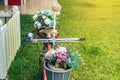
10	41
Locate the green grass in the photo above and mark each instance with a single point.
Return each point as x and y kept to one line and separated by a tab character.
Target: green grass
26	63
98	21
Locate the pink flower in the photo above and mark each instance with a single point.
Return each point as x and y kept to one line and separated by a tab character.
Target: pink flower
55	55
64	58
69	60
59	60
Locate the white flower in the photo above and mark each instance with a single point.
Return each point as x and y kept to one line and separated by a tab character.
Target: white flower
43	17
35	17
47	21
39	25
50	53
36	22
61	49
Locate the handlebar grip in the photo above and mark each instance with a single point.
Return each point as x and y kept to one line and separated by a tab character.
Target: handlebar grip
82	38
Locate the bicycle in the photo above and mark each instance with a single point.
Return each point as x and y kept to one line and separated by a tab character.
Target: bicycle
48	42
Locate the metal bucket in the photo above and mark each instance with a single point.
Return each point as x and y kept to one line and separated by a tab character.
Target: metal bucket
57	74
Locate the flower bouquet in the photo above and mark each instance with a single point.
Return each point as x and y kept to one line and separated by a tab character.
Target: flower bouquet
43	19
44	23
61	57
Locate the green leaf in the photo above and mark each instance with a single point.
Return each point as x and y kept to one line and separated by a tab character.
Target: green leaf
68	63
53	59
74	65
74	58
69	52
44	52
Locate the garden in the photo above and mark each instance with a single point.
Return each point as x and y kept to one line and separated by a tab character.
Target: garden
96	20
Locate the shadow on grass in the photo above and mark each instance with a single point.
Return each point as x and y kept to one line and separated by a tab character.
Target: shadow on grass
94	50
87	4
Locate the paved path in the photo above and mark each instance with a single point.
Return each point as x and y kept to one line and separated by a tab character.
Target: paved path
32	6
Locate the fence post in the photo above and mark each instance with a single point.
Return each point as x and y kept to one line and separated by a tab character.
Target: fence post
3	61
1	23
15	9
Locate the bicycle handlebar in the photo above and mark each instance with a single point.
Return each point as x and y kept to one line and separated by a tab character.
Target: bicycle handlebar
29	38
56	40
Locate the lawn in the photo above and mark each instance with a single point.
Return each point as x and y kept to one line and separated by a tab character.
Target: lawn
98	21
